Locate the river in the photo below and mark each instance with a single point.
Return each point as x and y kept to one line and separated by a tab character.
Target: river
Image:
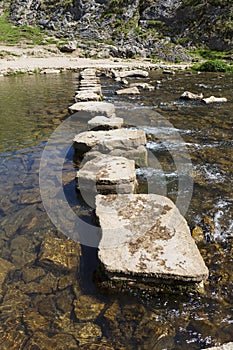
179	133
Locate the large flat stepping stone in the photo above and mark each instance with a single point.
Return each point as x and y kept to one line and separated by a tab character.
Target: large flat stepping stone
103	123
145	239
94	108
106	174
106	141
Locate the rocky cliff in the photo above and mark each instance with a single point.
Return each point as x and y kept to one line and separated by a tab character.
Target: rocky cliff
133	27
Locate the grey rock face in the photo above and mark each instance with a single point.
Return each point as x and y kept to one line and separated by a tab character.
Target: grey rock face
97	20
145	238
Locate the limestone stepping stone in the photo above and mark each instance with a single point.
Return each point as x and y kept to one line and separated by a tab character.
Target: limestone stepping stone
106	141
128	91
87	96
94	108
87	73
138	154
106	174
86	83
103	123
146	239
96	89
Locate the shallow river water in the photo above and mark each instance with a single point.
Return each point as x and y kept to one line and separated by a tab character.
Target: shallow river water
37	311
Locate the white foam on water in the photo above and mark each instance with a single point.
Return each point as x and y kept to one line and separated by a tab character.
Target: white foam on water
222	220
210	172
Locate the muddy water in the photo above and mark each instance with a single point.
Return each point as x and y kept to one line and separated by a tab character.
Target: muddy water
38	309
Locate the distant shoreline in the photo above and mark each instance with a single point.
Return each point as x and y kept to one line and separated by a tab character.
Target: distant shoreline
18	60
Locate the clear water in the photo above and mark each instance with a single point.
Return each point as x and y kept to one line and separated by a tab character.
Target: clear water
31	108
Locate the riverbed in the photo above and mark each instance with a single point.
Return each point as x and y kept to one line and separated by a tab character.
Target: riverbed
180	134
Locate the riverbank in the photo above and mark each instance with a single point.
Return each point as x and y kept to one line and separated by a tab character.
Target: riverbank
34	60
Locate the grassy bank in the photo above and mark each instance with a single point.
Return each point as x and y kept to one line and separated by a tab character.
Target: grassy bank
12	35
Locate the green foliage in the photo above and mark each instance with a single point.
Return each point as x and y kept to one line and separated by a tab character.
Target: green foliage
208	54
214	66
12	35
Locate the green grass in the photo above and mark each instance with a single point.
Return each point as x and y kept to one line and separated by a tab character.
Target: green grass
213	66
208	54
12	35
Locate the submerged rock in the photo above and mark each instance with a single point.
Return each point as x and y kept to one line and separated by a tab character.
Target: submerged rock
145	239
83	332
213	99
60	254
103	123
187	95
107	141
86	308
6	266
94	108
59	342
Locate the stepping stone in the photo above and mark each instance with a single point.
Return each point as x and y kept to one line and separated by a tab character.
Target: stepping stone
128	91
138	154
103	123
91	82
106	141
87	96
86	73
107	175
96	89
145	239
94	108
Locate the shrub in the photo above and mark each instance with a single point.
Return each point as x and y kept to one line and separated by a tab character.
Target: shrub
214	66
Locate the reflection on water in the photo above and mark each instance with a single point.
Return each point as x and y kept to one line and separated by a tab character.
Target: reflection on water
43	301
